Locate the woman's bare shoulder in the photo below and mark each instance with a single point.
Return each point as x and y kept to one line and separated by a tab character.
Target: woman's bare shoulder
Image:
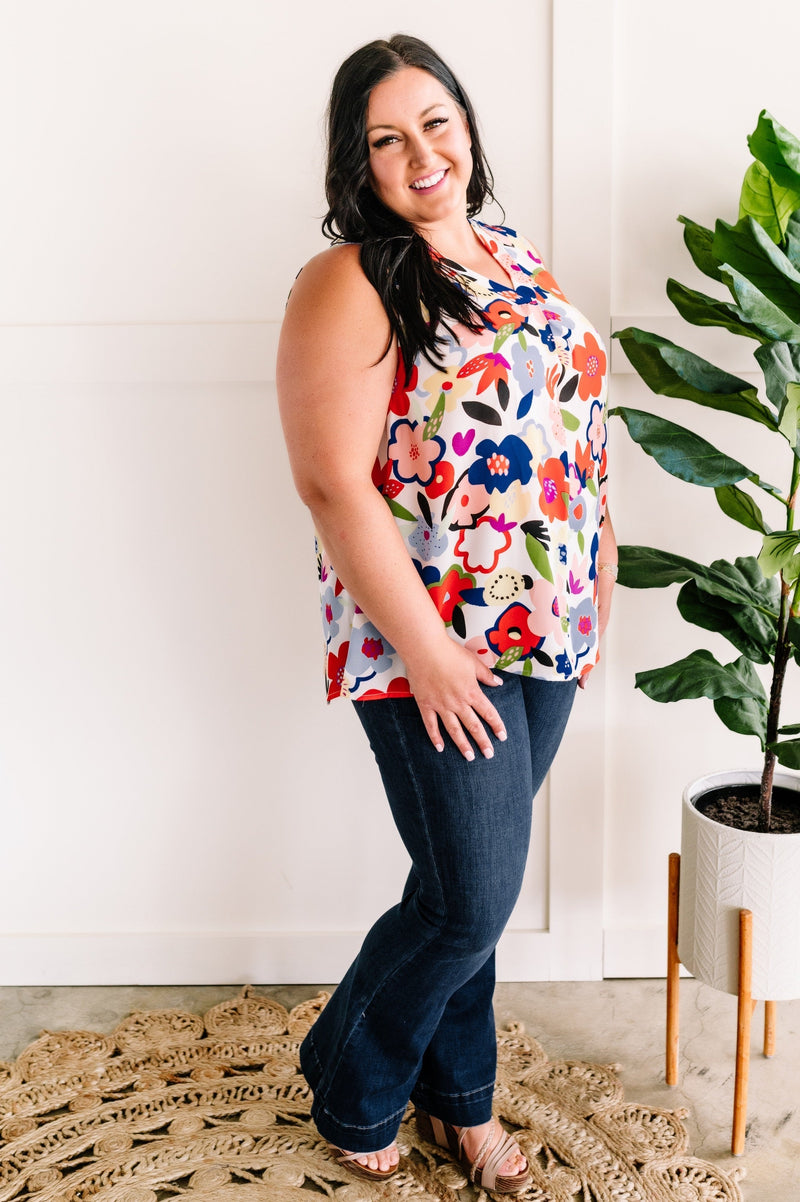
334	294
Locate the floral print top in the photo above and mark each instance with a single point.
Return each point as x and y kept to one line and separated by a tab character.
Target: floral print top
494	467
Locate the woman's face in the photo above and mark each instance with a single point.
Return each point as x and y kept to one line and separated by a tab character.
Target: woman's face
419	149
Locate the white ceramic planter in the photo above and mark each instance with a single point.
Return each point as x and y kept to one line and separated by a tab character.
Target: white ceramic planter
724	870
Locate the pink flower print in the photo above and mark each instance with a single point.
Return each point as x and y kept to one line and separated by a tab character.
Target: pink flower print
469	501
414	456
481	546
596	431
557	424
545	618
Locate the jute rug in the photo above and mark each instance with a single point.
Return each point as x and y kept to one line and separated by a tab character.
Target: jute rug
171	1105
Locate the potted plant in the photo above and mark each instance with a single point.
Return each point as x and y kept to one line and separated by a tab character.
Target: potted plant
748	858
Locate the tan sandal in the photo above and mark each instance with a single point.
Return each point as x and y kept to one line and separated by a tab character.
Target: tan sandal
444	1135
350	1161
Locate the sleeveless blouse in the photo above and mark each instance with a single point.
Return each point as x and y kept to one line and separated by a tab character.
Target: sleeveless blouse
494	468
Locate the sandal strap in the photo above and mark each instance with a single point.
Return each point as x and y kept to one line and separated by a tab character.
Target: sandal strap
504	1150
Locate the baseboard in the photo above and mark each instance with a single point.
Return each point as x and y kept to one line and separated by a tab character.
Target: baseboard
635	952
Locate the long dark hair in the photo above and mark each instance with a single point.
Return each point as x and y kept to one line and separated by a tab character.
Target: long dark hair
396	259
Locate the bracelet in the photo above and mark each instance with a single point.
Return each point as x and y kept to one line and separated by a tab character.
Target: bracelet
611	568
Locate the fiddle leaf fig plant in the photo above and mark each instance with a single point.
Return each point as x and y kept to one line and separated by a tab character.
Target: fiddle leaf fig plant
753	602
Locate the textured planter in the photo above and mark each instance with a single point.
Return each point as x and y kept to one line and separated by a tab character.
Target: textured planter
724	870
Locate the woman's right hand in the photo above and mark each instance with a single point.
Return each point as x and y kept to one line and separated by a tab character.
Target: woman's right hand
446	688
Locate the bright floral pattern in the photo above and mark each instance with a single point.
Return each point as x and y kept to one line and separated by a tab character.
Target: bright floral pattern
494	468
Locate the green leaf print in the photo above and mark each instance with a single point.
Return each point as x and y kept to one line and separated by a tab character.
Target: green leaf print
399	511
538	557
571	422
502	334
508	657
435	420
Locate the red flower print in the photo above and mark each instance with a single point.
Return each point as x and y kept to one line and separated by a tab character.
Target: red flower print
399	402
481	546
590	361
442	481
512	630
336	666
446	595
372	648
500	313
554	497
494	368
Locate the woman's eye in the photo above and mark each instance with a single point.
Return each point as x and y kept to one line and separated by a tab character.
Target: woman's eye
385	141
438	121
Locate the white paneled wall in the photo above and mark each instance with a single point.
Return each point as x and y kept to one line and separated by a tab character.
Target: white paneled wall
177	802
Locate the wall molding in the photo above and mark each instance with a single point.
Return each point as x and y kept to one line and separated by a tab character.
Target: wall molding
174	352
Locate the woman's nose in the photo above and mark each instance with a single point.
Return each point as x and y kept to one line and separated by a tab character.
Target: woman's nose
420	152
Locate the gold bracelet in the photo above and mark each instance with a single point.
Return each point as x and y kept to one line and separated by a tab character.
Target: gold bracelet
611	568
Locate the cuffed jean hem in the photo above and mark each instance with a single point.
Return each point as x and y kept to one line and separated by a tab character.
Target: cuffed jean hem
348	1136
459	1110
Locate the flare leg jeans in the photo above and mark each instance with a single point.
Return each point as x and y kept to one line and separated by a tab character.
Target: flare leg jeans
413	1017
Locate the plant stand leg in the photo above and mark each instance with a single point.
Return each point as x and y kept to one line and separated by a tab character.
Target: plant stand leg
673	970
745	1014
769	1029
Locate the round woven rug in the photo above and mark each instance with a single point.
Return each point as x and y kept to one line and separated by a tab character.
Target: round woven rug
172	1105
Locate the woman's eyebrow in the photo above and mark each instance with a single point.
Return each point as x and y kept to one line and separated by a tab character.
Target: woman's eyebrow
424	113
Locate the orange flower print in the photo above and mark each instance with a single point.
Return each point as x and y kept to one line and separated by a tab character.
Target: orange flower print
590	361
543	279
554	497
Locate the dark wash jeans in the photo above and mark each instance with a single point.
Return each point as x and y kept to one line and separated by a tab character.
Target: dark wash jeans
413	1017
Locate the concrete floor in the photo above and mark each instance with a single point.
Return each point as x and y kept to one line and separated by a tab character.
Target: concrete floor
602	1021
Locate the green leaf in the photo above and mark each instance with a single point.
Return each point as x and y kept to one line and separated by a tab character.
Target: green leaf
787	751
778	149
792	240
702	310
780	363
749	631
571	422
697	675
699	241
744	716
790	415
758	310
780	553
398	510
767	202
538	557
681	452
793	729
501	335
741	582
670	370
747	248
738	505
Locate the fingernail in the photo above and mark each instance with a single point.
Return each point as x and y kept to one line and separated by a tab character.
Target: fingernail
469	755
502	736
488	753
497	679
439	746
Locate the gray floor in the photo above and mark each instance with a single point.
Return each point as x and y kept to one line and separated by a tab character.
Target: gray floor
604	1022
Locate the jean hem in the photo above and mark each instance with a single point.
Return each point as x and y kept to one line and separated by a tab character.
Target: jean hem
460	1110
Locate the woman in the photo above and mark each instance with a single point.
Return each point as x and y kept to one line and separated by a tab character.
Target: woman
443	407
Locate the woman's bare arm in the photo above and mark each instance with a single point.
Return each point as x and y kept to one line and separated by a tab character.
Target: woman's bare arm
333	390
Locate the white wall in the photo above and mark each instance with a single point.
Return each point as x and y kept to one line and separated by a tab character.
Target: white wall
177	802
690	80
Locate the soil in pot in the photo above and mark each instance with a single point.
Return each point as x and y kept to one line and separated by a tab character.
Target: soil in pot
738	806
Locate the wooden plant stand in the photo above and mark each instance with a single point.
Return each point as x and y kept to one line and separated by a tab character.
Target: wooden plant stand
744	1014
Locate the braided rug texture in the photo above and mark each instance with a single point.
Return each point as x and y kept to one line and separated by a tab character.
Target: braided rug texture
172	1105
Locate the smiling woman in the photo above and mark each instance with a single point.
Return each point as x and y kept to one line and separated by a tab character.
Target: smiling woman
450	444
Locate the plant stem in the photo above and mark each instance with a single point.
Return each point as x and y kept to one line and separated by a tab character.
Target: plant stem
782	652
